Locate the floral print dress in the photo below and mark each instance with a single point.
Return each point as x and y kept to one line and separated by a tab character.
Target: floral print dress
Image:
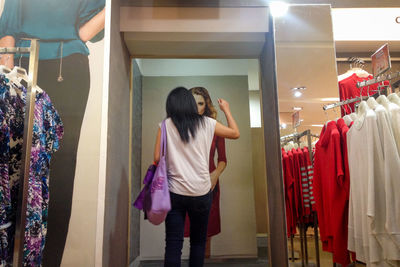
47	134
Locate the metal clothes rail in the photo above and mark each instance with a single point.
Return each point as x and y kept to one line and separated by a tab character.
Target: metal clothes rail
303	234
33	51
381	78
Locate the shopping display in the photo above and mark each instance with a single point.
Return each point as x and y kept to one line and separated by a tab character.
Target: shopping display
47	132
356	169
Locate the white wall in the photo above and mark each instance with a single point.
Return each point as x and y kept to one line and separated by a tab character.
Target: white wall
238	236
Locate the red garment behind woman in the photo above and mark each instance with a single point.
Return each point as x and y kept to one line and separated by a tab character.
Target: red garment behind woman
214	220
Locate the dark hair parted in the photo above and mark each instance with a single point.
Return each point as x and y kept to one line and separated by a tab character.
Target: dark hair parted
210	110
181	107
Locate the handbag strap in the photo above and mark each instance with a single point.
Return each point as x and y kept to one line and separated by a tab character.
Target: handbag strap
163	139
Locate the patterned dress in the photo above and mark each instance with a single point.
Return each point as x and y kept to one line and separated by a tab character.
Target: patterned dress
47	133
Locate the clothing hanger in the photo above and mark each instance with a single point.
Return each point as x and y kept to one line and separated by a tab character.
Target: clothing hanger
3	69
382	99
19	72
363	108
394	98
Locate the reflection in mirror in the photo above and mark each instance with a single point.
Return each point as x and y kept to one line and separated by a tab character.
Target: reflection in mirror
306	78
238	219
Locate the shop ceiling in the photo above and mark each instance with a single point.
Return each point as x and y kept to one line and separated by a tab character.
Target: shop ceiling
169	32
235	3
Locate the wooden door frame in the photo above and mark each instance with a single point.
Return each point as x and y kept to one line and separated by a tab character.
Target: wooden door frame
277	238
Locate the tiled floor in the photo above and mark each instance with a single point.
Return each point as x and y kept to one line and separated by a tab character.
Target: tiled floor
325	257
216	263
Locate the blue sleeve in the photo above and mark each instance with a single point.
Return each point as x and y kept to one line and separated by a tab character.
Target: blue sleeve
89	9
10	20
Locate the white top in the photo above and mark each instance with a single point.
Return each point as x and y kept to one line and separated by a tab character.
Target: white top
362	140
188	163
373	205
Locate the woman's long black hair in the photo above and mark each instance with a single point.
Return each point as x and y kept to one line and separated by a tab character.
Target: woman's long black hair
182	109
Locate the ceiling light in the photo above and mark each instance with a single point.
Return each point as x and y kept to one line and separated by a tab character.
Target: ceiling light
317	125
298	94
278	8
297	91
330	99
283	125
297	108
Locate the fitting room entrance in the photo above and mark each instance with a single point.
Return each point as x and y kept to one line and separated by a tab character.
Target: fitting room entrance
201	33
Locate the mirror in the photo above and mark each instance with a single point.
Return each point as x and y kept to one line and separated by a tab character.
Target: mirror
306	78
238	218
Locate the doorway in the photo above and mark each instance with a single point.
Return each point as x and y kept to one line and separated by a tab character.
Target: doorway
231	45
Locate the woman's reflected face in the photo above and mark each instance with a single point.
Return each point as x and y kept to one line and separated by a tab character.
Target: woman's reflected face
201	103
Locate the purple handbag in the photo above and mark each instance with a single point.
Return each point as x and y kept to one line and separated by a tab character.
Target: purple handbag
154	198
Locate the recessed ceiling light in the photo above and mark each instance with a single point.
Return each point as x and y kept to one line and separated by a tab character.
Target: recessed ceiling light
297	108
278	8
317	125
330	99
298	94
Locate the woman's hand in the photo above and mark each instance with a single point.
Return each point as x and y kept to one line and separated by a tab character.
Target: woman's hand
93	26
7	59
214	176
223	105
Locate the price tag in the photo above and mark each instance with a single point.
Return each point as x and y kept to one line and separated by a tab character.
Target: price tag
381	60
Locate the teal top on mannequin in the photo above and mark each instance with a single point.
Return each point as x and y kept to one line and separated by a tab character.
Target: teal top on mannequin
55	22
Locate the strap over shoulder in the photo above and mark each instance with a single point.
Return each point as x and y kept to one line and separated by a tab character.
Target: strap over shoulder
163	139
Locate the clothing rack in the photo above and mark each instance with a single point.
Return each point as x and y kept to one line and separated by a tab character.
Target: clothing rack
378	79
345	102
303	235
33	52
381	78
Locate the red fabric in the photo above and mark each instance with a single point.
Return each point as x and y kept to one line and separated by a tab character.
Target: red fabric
297	184
294	195
340	203
328	172
348	89
214	220
289	182
304	186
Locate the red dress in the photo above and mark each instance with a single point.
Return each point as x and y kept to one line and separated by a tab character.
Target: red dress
214	220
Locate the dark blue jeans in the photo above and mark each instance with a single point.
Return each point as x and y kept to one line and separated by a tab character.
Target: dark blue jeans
198	209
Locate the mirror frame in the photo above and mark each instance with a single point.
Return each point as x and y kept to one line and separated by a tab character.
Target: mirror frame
277	237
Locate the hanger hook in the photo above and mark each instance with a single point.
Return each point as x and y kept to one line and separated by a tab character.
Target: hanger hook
20	59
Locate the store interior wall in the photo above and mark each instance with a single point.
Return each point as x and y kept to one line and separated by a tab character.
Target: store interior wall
238	235
116	219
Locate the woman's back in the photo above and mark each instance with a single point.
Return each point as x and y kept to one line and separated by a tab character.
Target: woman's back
188	170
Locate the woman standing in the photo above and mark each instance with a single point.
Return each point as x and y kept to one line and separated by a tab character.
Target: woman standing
189	138
63	28
205	107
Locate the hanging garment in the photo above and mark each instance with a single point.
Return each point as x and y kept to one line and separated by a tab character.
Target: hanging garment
348	89
328	170
385	208
289	183
310	175
364	145
340	204
47	133
305	187
294	195
297	184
